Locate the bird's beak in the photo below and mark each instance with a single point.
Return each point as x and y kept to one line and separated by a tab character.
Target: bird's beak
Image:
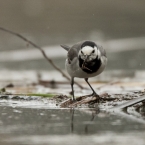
86	58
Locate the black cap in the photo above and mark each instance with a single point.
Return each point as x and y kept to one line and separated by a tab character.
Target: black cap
88	43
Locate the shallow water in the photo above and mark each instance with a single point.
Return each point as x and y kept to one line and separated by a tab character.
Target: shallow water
62	126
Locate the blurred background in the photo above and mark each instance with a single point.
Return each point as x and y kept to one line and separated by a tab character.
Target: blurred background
119	26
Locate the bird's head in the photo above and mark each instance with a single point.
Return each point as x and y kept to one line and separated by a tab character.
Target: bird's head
89	51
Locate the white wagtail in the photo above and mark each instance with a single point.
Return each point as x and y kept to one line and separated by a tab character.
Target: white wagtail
84	60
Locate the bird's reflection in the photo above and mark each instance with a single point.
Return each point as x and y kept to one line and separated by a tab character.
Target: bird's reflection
72	119
92	117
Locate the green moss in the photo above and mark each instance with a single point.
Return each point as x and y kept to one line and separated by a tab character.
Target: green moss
39	95
2	90
42	95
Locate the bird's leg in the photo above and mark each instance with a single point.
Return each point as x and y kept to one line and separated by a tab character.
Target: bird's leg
94	93
72	83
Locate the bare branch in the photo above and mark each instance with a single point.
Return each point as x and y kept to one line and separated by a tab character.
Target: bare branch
42	51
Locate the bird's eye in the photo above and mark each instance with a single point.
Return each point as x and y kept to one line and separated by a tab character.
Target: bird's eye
93	51
82	52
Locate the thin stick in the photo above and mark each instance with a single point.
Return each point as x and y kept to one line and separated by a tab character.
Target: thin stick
108	84
42	51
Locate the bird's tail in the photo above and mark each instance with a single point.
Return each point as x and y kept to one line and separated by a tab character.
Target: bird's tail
65	47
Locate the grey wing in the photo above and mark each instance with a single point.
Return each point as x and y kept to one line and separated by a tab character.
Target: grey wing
72	53
103	57
103	52
74	50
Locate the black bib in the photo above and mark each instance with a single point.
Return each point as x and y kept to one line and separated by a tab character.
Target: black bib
90	67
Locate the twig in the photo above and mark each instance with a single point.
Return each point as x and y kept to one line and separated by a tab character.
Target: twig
42	51
129	103
108	84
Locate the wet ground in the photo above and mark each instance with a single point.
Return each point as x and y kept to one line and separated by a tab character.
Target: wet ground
39	120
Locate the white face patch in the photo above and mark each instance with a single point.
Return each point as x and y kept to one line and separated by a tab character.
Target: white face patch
91	52
87	50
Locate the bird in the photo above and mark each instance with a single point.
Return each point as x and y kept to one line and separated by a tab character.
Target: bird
85	59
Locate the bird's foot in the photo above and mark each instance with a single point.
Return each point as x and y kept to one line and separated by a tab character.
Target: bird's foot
73	100
95	97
